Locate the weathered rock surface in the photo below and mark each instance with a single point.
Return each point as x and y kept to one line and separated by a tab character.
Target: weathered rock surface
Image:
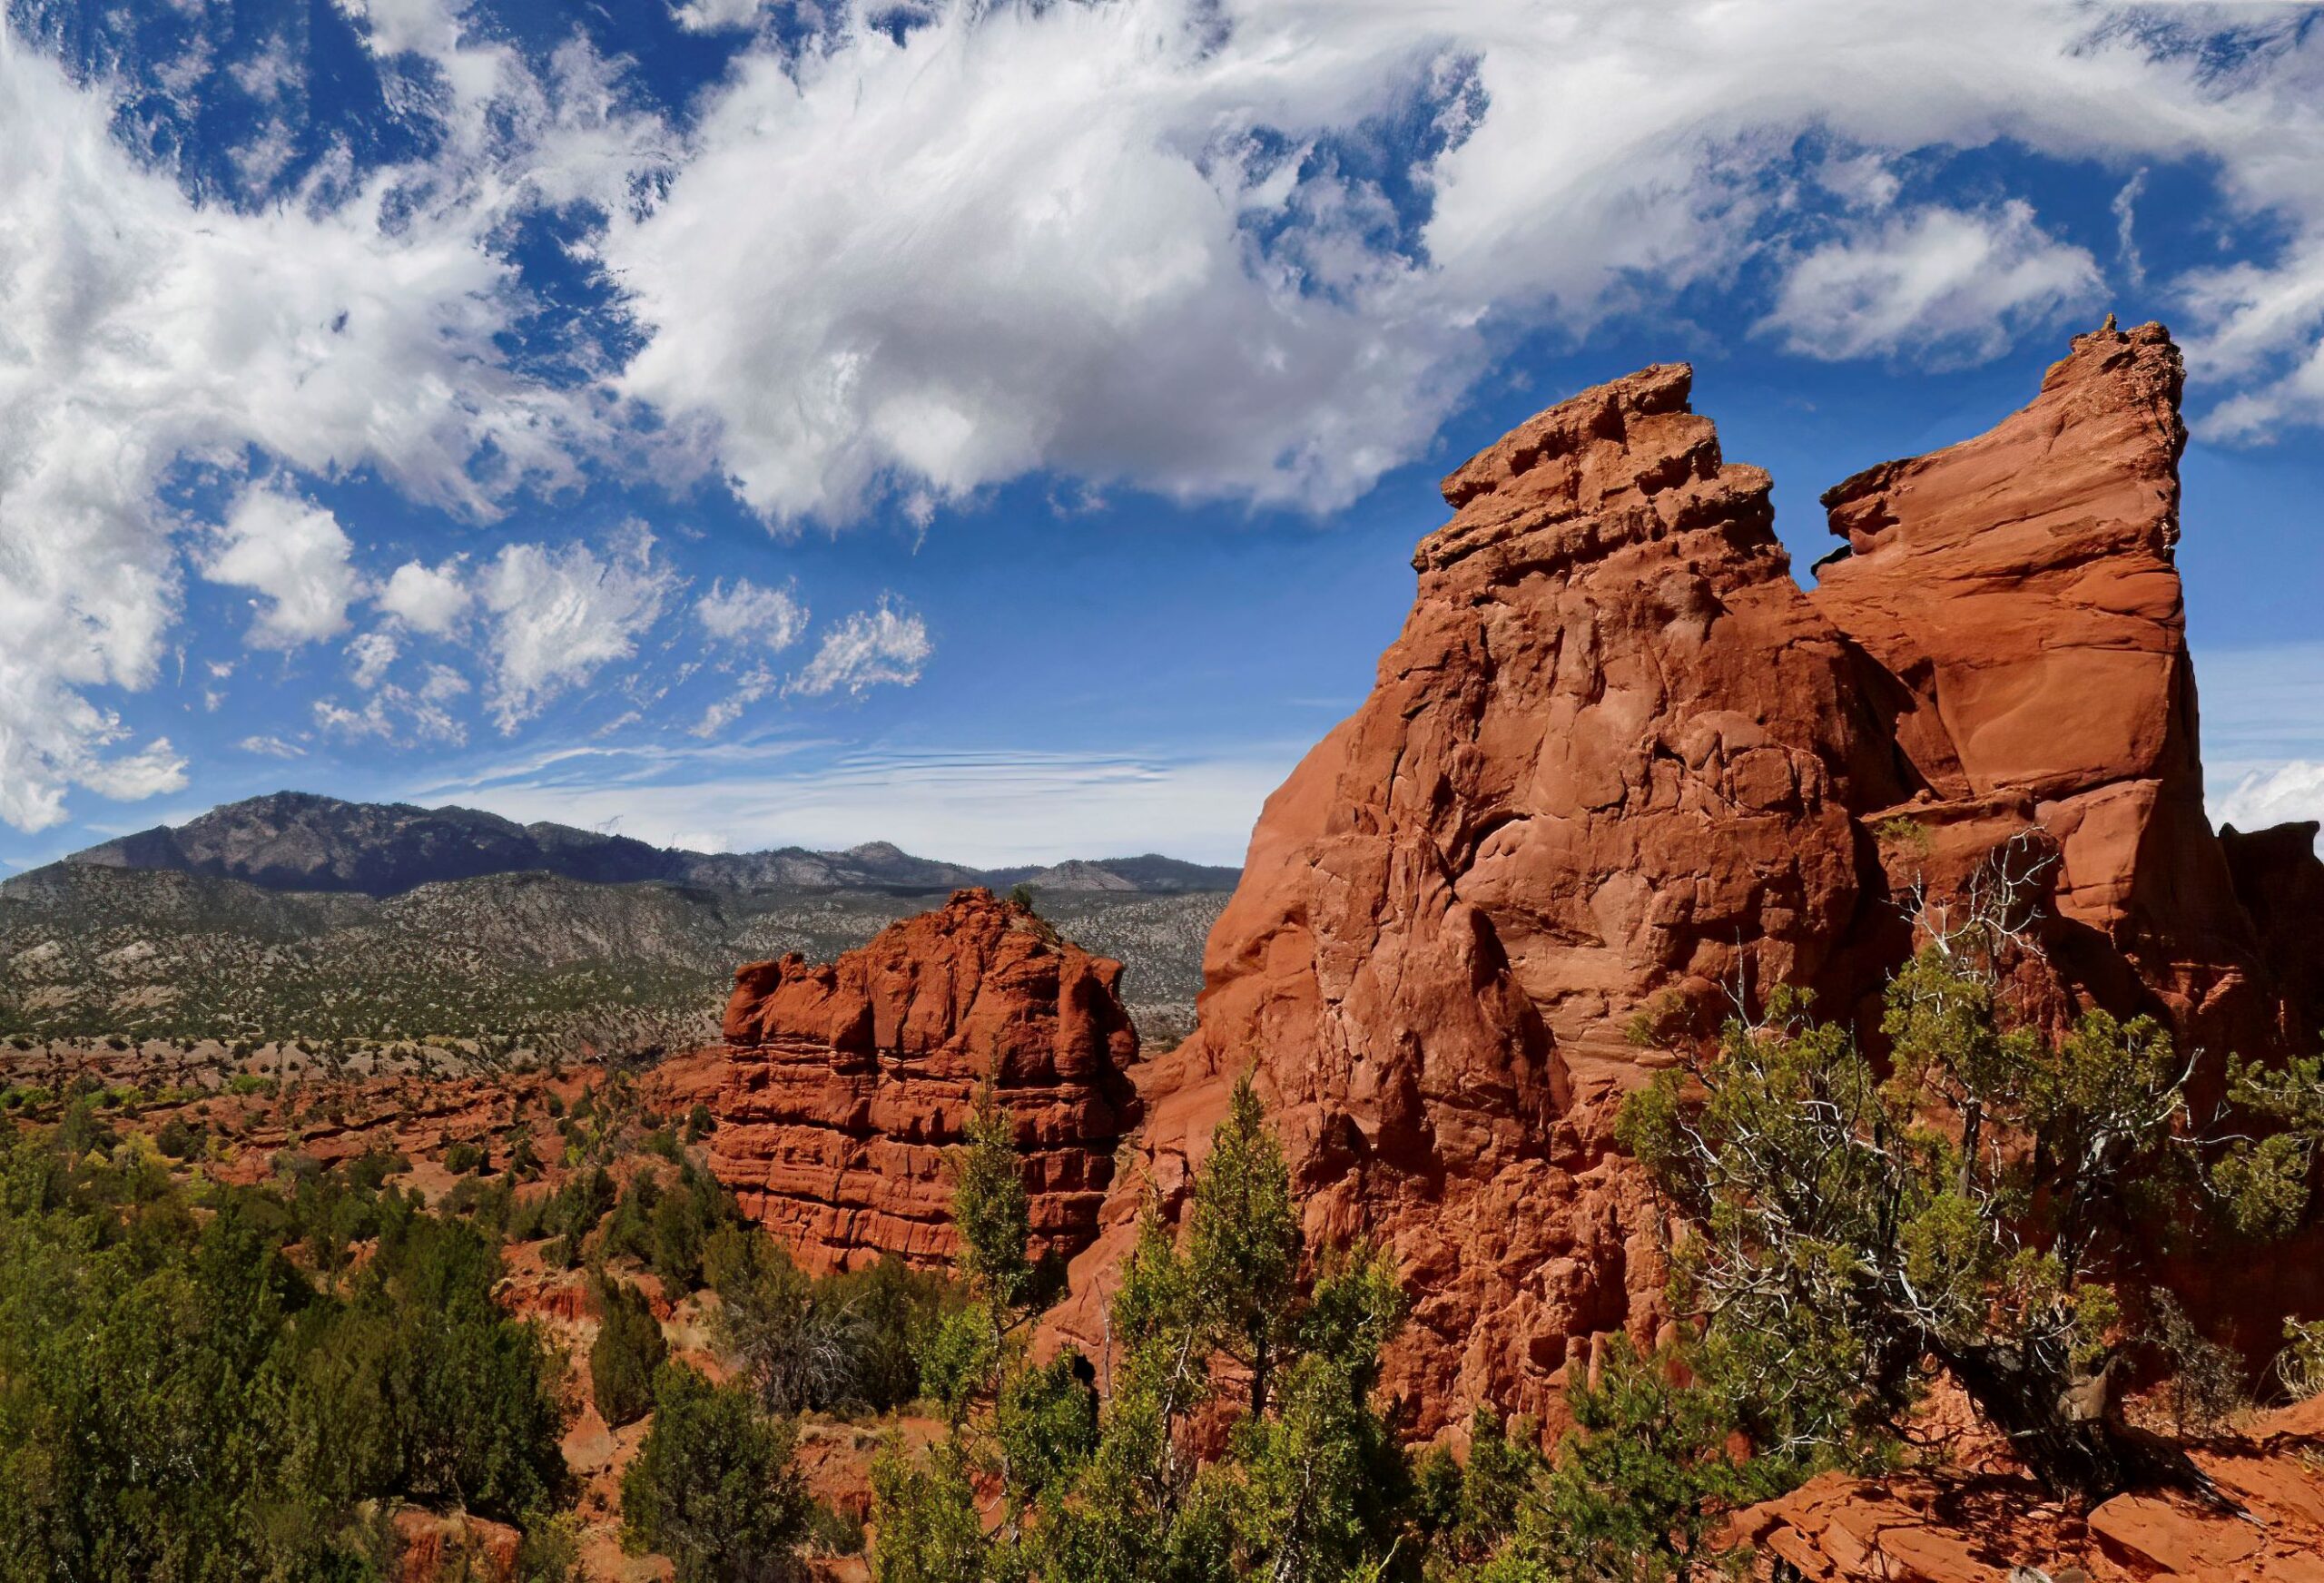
1995	1528
1609	761
2280	883
2017	598
1618	761
844	1083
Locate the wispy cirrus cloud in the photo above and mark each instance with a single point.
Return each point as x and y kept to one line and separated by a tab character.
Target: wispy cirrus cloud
987	808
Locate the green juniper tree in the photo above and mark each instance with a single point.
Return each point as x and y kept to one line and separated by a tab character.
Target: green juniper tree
627	1352
1311	1485
1638	1490
1968	1209
714	1487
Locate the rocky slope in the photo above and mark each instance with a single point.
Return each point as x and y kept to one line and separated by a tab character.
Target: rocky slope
1995	1528
1618	763
294	840
844	1083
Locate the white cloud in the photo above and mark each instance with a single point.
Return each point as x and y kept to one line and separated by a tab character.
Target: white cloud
2289	792
716	15
747	613
985	808
868	648
2263	733
1942	285
370	657
130	777
294	557
1017	239
141	329
430	599
558	616
1053	237
755	685
271	746
443	684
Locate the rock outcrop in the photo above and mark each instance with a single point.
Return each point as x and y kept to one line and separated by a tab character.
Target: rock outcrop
2280	882
1995	1528
844	1083
1618	763
2017	602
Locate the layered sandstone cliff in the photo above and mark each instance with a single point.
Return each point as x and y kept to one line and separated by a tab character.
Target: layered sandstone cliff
1618	762
844	1083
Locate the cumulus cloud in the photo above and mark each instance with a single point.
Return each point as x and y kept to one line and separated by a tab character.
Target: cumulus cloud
717	15
1120	241
872	647
1161	243
430	599
294	557
1017	237
370	657
559	614
131	777
746	613
145	329
1946	285
2280	796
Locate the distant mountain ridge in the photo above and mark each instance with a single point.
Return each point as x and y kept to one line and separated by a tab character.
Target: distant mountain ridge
298	840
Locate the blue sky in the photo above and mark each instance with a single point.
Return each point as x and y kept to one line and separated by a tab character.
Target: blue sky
1004	430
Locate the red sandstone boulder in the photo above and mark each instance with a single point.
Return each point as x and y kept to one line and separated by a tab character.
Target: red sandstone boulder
844	1083
1618	762
1995	1528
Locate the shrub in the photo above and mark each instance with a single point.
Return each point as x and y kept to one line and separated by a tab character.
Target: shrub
629	1349
176	1139
2203	1385
1853	1240
712	1486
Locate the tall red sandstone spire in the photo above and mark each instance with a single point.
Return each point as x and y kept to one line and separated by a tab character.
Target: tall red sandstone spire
1618	760
2020	588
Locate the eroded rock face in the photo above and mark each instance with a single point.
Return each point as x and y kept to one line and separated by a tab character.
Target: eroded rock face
1618	763
2017	598
844	1083
1609	763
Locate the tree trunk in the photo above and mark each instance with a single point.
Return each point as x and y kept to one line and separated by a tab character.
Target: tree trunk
2063	1425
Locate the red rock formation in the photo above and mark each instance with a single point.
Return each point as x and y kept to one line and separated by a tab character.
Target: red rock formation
1609	761
844	1083
1955	1530
2016	595
1617	761
433	1547
2280	882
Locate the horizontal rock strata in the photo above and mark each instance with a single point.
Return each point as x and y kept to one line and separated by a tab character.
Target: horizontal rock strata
844	1083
